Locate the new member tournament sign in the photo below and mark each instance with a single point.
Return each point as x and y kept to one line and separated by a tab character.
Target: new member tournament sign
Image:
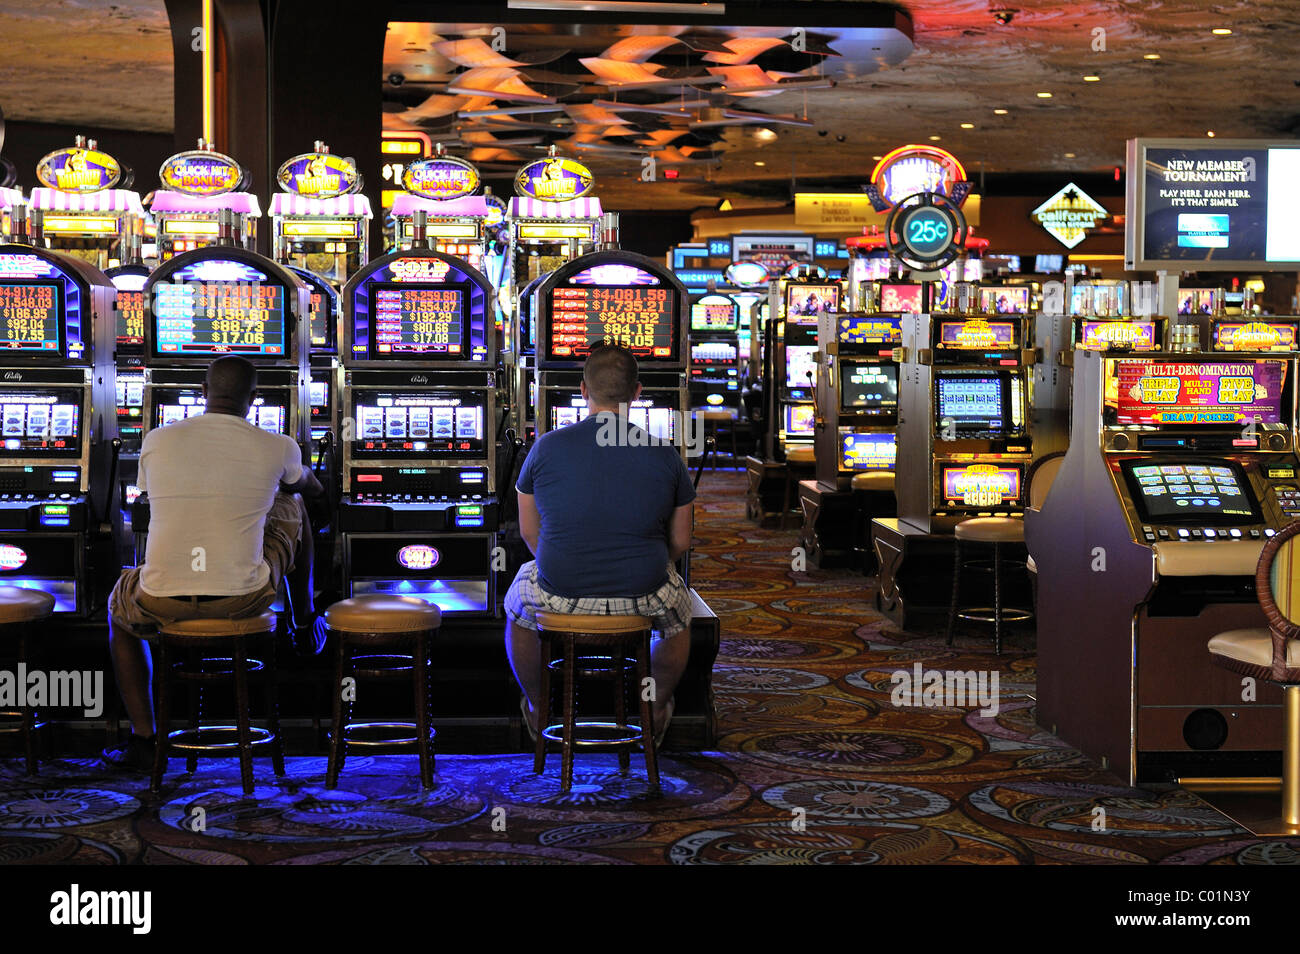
440	178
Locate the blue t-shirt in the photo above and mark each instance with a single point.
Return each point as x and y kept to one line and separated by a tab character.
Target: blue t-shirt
604	510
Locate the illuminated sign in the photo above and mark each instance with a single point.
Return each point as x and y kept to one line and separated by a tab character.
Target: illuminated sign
1147	393
869	329
318	175
909	170
496	211
978	334
1070	215
418	269
746	274
11	557
1104	335
29	315
638	317
87	224
553	180
528	230
868	451
981	485
77	169
200	173
418	556
440	178
309	228
1254	336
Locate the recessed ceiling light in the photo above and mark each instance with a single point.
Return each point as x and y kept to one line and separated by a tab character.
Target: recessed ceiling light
1151	56
1221	31
877	158
759	162
1069	155
1044	95
967	125
1092	78
1210	133
764	135
935	138
999	112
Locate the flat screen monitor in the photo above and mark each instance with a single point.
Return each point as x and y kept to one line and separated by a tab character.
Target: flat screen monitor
320	308
198	319
1145	393
655	415
715	313
800	366
902	297
868	385
31	316
41	422
973	402
714	352
804	302
446	424
1196	301
412	320
641	318
980	485
1048	264
1009	300
1190	490
799	420
860	451
269	412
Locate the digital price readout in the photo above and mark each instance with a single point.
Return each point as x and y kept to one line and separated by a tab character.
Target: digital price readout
638	317
195	319
29	315
130	317
418	320
319	312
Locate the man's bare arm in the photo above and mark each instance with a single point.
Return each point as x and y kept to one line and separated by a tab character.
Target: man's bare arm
680	529
530	521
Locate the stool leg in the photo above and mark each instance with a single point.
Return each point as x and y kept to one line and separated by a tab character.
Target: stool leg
241	717
337	749
194	694
27	723
419	675
566	750
997	599
163	684
543	703
956	589
272	679
785	497
647	713
620	708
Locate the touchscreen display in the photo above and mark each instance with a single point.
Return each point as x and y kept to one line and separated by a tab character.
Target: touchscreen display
1191	491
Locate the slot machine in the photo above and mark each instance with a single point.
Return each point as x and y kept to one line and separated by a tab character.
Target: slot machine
1181	466
320	221
129	372
58	428
323	321
714	380
216	301
521	363
419	514
791	417
201	204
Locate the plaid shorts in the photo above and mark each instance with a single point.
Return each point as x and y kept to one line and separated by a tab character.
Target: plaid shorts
669	606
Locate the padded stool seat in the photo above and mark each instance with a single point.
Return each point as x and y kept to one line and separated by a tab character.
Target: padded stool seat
219	626
797	462
801	455
716	414
21	605
577	623
873	480
382	613
1250	652
991	530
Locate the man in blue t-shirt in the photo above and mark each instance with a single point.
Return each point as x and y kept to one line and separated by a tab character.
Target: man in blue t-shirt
606	510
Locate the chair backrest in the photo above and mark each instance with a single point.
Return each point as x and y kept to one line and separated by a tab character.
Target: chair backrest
1040	478
1277	585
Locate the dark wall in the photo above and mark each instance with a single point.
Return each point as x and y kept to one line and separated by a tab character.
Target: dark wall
652	233
26	143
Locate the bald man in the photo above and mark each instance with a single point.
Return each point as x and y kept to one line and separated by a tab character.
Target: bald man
226	524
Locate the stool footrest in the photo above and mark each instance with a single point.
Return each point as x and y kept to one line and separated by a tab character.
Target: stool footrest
384	733
180	739
618	733
988	614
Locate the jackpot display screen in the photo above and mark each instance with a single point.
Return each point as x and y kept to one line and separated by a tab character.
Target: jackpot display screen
30	316
321	310
130	317
806	302
172	405
1005	301
447	424
641	318
868	385
979	485
657	419
41	422
1169	393
905	297
714	313
196	319
1191	491
867	451
800	363
419	320
971	402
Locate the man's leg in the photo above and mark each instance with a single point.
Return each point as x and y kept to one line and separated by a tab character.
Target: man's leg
298	582
133	667
524	650
668	658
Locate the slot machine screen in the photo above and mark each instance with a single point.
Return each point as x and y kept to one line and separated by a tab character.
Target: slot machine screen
1012	300
980	485
443	424
799	420
1191	491
870	329
902	297
867	451
1107	335
972	402
321	311
176	404
654	416
800	361
1153	394
713	352
31	316
803	303
418	321
868	385
130	397
715	313
642	318
41	422
1196	301
208	319
319	396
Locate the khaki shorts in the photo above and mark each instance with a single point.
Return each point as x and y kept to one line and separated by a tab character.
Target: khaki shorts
136	612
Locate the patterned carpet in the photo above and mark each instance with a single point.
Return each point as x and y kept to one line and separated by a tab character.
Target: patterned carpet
814	765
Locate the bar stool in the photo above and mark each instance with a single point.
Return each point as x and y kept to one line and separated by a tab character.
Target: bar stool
20	609
712	417
395	635
197	639
621	636
996	531
869	488
800	464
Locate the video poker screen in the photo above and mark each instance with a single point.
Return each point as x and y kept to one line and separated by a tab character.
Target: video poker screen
867	451
656	418
642	318
715	313
445	424
869	385
209	319
980	485
974	401
41	422
318	394
419	321
176	404
799	420
713	352
31	316
1192	491
1169	393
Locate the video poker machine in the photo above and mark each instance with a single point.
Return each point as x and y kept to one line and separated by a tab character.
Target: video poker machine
1181	466
58	428
714	374
790	361
419	513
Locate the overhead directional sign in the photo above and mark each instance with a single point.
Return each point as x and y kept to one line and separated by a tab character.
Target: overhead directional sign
1070	215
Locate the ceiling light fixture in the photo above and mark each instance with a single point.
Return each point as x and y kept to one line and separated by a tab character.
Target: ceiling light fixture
1151	56
1210	133
1069	155
1092	78
1221	31
759	162
1043	95
1000	112
935	138
967	125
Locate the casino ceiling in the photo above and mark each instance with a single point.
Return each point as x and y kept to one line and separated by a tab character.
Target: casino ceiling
963	79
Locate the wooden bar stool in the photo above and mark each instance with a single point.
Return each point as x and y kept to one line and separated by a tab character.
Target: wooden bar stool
997	532
394	635
204	644
873	496
20	610
712	418
622	637
800	464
